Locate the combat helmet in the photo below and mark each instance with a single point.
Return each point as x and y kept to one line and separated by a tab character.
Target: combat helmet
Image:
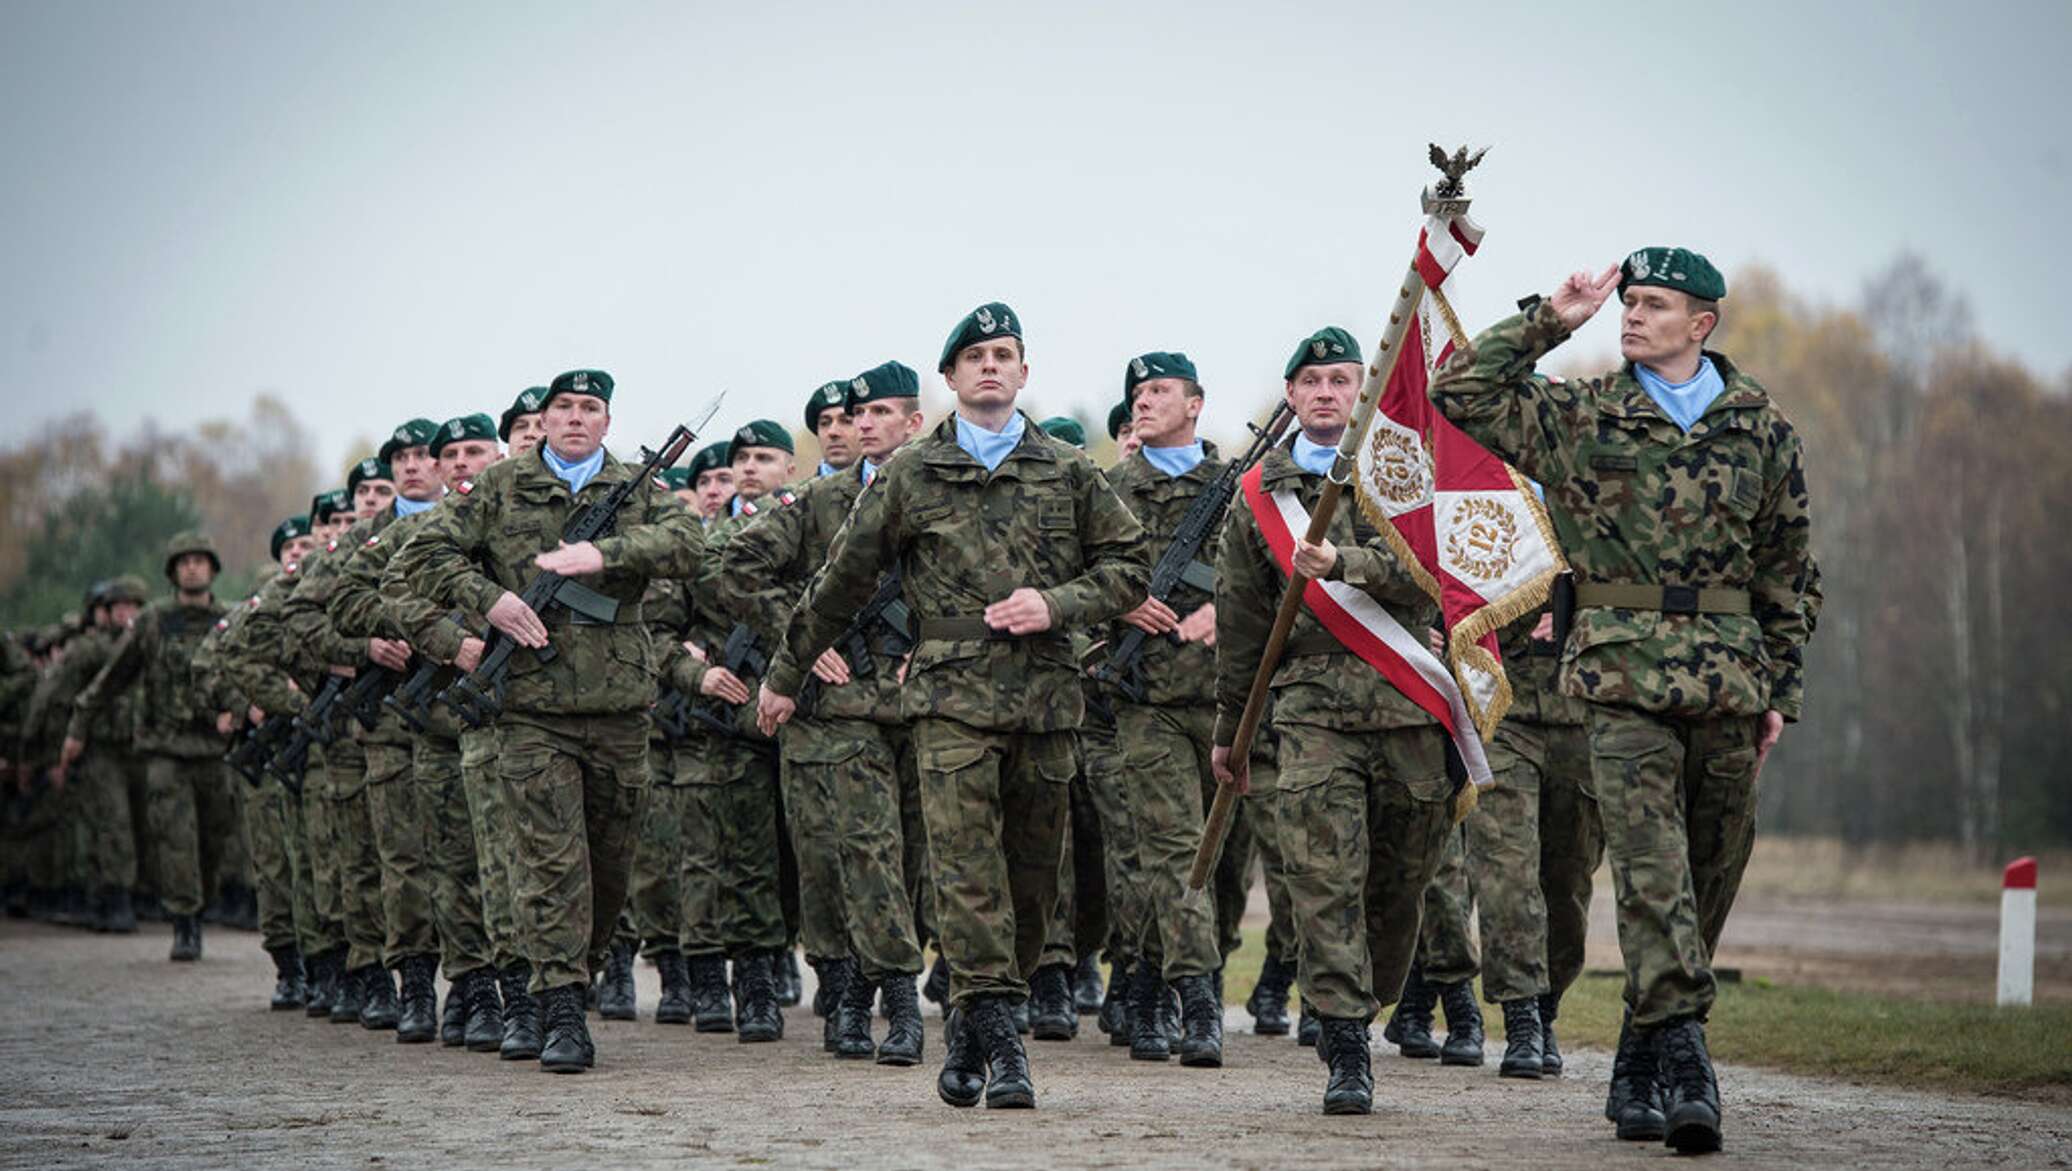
190	541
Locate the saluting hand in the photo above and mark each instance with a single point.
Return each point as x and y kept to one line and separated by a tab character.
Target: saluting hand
572	560
1580	296
1021	612
511	615
773	710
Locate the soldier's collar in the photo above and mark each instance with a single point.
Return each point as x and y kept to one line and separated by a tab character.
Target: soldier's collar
1280	468
1624	397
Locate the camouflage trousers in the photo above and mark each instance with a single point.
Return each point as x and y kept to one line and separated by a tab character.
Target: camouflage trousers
1678	799
731	867
491	825
1533	842
397	814
450	854
1260	808
1445	943
347	824
1166	754
879	840
655	894
1362	823
1107	792
140	826
193	817
996	804
1079	925
317	867
809	752
280	880
103	801
573	787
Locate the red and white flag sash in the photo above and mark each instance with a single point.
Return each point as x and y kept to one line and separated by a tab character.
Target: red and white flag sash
1368	630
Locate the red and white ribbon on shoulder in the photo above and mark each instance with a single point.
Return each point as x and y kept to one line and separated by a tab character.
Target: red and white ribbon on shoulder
1368	630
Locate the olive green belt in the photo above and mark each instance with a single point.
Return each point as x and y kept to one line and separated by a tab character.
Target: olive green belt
1669	599
970	627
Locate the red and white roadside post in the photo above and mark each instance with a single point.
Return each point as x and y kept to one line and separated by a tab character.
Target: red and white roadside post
2018	932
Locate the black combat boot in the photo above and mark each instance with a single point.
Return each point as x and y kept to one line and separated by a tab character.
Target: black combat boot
791	983
1550	1053
1115	1003
74	909
1201	1019
417	1018
523	1029
674	1008
453	1015
186	938
828	978
1342	1046
851	1021
1087	993
482	1028
289	990
963	1077
1018	1012
759	1016
937	987
322	981
1308	1027
1463	1025
1268	1003
352	995
118	917
1052	1015
903	1034
1410	1025
615	995
377	998
712	1008
1691	1108
568	1048
1524	1052
1633	1104
1147	1013
1007	1064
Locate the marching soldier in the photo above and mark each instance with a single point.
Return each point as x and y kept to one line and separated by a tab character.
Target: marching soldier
712	482
1677	488
1005	540
521	425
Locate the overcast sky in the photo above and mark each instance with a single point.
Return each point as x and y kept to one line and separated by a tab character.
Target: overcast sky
379	211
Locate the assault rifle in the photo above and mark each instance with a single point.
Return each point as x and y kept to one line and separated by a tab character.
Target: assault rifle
885	607
256	747
1124	669
478	697
312	726
412	702
745	660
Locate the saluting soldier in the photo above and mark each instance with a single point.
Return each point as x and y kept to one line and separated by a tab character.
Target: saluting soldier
1677	488
1005	540
572	739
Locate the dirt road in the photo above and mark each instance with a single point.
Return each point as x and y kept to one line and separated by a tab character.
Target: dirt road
114	1056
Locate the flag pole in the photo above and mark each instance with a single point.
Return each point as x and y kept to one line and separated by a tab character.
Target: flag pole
1448	198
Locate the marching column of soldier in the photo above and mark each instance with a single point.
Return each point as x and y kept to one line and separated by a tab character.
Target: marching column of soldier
516	710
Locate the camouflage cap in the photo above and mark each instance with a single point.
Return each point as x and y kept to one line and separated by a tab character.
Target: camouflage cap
454	430
1673	268
127	588
595	383
1157	364
761	433
710	457
830	394
530	401
1065	430
415	433
324	505
677	479
1326	347
1118	417
288	530
889	380
190	542
371	468
990	320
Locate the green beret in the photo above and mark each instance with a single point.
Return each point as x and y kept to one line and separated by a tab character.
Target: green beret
676	478
830	394
890	380
1673	268
1326	347
475	426
529	402
988	321
288	530
127	588
1065	430
761	433
595	383
325	505
1158	364
371	468
415	433
1118	415
710	457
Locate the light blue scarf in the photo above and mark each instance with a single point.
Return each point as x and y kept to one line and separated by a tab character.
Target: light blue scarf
1314	458
827	469
870	471
577	474
407	507
1175	461
1684	402
989	447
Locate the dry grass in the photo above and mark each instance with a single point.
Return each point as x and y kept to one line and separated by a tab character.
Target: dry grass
1933	872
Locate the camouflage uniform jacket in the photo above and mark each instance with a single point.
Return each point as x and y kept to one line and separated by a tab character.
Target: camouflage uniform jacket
768	566
717	605
50	706
313	643
964	538
253	654
17	681
173	718
1184	673
373	601
1636	500
213	681
482	543
1334	689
